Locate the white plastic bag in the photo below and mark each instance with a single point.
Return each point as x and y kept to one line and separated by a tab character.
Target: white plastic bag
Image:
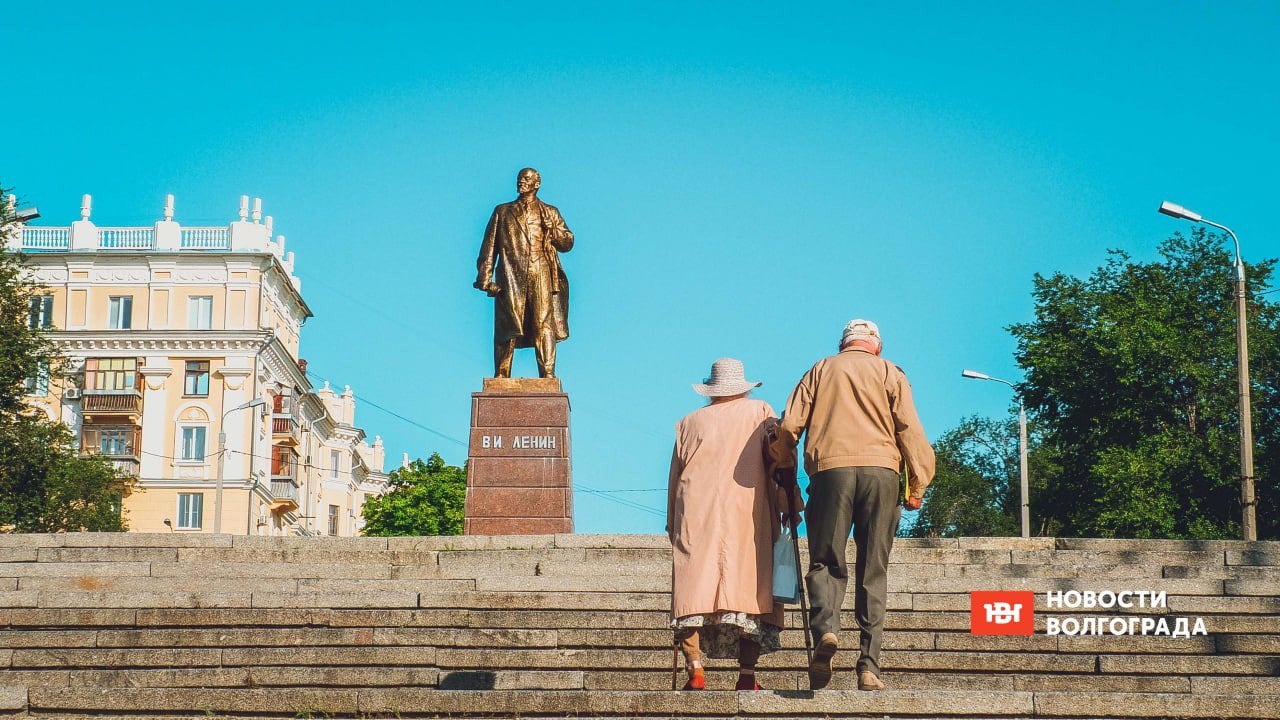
786	569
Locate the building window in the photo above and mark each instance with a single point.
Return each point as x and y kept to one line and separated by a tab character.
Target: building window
114	440
193	443
282	461
38	384
197	379
110	373
335	463
200	312
333	519
120	312
41	312
190	510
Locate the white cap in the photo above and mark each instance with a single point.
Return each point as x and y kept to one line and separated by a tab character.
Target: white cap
859	329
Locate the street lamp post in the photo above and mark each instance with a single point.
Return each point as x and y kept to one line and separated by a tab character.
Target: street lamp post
1022	446
222	452
1248	503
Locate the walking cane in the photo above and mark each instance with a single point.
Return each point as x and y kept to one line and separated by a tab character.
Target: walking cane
675	665
786	479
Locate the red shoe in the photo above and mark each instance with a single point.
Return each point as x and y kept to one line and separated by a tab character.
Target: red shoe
697	681
747	682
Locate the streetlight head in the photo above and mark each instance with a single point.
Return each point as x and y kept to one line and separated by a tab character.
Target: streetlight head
1177	211
25	215
975	375
252	403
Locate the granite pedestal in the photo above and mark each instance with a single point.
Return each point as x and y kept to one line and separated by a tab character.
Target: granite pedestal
519	478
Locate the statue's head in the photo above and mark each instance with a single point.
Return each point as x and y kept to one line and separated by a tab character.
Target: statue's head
528	181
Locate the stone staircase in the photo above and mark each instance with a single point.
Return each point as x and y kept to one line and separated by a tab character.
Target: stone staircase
186	625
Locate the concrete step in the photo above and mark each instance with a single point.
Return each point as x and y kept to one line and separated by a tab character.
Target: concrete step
519	552
128	568
52	618
247	570
182	625
129	584
198	582
658	658
92	658
408	702
142	599
609	640
599	541
721	675
263	676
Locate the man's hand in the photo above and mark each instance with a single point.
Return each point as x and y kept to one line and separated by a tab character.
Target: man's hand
913	503
489	287
782	453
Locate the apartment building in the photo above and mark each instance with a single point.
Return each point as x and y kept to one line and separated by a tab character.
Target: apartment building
182	367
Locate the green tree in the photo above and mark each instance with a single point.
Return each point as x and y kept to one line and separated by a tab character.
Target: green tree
425	498
1131	374
45	486
975	491
48	487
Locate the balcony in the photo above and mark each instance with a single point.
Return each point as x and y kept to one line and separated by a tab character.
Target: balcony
112	402
284	429
128	465
117	443
284	495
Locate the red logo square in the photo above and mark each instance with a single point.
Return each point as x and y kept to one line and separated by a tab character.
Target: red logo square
1002	612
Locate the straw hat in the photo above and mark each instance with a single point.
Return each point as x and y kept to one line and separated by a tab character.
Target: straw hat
727	378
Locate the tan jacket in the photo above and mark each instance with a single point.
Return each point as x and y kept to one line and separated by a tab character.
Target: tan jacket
857	410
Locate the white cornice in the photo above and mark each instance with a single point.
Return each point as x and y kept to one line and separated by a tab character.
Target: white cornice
226	372
191	484
74	341
282	366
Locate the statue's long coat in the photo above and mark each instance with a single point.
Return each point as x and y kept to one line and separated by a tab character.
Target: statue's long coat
508	249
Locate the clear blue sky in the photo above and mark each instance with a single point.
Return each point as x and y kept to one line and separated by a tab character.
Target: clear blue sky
741	180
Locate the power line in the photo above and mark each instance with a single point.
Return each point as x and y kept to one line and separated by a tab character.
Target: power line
379	315
621	501
605	494
395	414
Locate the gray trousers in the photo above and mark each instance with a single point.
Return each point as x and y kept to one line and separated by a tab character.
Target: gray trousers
866	500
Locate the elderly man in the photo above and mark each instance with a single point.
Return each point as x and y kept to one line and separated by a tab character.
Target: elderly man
861	429
531	296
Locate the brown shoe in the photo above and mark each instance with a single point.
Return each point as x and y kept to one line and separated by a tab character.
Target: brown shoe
820	669
868	680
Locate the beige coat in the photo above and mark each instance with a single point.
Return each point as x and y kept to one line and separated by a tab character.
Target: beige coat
857	410
723	512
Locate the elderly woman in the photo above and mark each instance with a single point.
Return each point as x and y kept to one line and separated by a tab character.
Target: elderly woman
723	515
